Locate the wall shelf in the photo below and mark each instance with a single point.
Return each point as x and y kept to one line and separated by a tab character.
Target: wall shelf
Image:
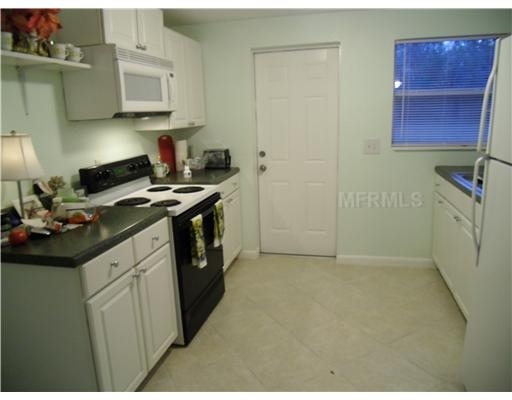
30	61
23	62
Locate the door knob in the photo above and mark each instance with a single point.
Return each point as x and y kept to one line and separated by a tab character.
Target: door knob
263	168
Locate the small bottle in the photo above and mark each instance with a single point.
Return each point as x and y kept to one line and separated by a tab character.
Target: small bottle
187	173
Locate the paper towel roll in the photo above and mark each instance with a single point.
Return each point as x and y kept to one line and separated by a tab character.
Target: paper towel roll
181	154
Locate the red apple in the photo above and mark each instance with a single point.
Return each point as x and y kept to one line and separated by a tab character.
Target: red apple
18	236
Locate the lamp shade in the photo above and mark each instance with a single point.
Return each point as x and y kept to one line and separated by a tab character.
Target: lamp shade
19	160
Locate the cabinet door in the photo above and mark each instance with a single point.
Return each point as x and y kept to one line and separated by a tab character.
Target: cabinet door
150	25
116	335
232	243
466	264
444	239
120	27
175	51
453	250
157	303
194	79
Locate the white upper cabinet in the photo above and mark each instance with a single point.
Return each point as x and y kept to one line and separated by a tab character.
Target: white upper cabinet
194	82
133	29
185	54
121	27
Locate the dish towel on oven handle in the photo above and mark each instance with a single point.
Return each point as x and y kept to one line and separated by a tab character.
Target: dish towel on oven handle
218	226
197	242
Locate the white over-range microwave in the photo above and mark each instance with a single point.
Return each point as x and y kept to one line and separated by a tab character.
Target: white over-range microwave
120	83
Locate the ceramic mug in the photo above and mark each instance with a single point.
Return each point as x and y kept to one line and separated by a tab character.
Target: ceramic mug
75	54
161	170
7	41
59	50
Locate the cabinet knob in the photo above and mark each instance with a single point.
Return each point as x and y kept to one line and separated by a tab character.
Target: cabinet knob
155	237
457	218
192	123
114	264
263	168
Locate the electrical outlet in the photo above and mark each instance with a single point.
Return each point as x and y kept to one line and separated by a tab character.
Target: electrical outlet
371	146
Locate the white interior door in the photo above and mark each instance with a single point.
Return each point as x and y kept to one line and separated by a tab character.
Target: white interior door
297	128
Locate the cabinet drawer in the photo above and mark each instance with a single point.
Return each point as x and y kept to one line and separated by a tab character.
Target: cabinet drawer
150	239
103	269
229	186
460	200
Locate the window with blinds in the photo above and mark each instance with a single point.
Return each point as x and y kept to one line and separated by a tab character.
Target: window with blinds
438	91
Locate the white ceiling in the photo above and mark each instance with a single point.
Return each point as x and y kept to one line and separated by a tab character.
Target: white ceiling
176	17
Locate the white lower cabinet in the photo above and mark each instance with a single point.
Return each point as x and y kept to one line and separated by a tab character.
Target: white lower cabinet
156	295
232	242
453	251
133	322
116	334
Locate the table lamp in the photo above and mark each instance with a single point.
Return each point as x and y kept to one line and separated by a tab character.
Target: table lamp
19	161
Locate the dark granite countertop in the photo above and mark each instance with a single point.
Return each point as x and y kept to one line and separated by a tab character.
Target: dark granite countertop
74	248
201	176
447	171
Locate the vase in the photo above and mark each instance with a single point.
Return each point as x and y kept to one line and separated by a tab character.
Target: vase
30	43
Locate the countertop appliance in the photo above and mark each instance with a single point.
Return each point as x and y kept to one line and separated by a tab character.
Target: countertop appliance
486	362
217	158
127	183
121	83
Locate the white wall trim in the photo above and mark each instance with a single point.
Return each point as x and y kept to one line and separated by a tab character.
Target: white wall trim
295	47
250	254
384	261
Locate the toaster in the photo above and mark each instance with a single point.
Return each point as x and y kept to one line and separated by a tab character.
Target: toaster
217	159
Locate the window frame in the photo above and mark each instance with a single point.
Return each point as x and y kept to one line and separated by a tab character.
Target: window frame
439	147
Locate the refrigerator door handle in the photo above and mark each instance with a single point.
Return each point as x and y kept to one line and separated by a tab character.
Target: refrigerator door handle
476	239
488	89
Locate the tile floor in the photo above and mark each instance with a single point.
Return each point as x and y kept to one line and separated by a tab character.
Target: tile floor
290	324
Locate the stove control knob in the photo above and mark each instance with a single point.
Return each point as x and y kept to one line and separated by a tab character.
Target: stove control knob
132	167
97	176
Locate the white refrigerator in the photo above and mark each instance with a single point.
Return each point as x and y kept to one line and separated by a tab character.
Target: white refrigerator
486	361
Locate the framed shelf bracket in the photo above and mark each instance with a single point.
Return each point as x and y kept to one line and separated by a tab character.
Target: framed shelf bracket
22	79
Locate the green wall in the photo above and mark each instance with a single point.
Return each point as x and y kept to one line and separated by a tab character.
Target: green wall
366	73
63	146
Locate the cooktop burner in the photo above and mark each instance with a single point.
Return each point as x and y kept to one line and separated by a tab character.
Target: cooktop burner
159	189
132	201
166	203
188	189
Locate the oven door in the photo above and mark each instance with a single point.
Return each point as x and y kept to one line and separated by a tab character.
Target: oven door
193	281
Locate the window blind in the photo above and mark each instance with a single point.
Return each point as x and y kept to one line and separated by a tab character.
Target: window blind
438	91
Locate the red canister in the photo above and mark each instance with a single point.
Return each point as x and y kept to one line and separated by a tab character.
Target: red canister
166	151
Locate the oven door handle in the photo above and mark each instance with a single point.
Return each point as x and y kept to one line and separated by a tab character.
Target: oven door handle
208	212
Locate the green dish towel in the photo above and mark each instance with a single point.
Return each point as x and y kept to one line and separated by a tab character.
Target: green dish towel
218	226
197	242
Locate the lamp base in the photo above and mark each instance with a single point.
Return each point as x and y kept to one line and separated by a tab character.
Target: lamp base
20	196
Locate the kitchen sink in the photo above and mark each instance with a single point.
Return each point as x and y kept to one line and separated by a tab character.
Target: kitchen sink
465	179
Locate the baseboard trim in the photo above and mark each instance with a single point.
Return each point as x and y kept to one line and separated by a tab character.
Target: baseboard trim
250	254
383	261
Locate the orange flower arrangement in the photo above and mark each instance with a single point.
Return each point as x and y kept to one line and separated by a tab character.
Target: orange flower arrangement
41	21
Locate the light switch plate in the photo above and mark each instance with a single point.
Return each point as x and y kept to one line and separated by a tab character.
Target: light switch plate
371	146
